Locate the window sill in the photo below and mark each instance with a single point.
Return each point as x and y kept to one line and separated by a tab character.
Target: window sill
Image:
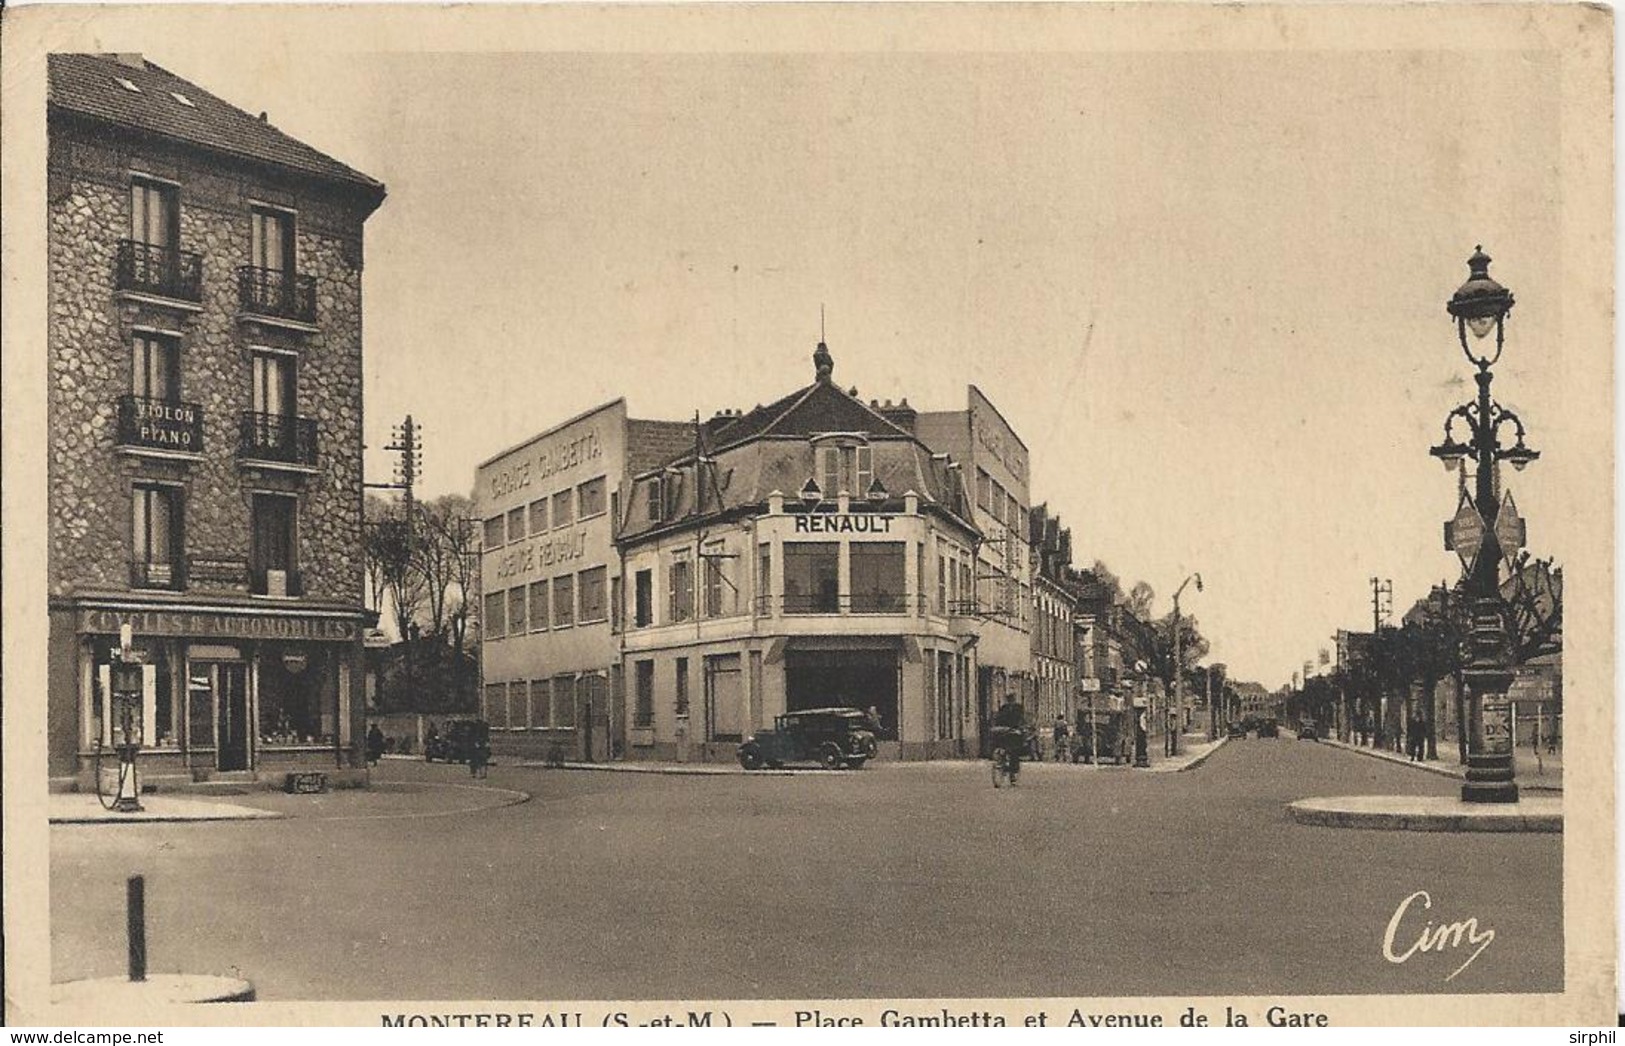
143	298
149	452
278	321
278	466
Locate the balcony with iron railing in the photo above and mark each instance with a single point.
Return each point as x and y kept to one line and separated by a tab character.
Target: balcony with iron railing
159	270
277	439
277	294
841	603
170	575
161	427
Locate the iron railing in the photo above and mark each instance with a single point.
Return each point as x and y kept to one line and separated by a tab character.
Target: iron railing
280	438
159	424
844	603
157	269
274	292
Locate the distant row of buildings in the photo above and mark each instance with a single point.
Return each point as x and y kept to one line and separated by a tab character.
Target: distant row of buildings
662	589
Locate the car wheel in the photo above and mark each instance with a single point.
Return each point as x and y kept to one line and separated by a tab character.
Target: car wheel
830	757
857	764
750	758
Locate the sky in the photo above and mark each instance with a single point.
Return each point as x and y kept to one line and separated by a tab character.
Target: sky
1206	288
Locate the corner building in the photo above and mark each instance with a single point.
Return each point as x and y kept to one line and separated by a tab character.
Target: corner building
204	481
812	552
551	581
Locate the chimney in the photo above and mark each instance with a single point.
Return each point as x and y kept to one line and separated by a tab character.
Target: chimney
900	414
132	59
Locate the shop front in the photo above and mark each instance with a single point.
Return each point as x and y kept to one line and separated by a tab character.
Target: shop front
245	691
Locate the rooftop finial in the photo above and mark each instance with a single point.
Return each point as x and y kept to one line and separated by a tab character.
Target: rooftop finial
823	362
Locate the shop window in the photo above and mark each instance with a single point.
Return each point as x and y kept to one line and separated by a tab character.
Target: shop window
564	702
494	532
643	696
643	598
564	601
494	616
563	508
538	516
724	698
156	537
275	551
155	367
591	497
516	609
877	577
682	589
297	699
593	605
516	523
538	606
541	696
682	686
812	577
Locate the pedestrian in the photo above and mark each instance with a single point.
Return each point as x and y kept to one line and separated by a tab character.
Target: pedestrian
1060	734
375	745
1418	740
479	757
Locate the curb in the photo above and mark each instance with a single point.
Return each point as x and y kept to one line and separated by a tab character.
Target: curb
1199	760
1328	813
697	770
163	989
1455	773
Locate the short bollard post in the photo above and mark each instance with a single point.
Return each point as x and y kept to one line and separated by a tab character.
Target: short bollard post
135	913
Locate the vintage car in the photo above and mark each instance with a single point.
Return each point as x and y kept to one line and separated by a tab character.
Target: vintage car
1307	731
1238	730
834	737
1269	728
460	741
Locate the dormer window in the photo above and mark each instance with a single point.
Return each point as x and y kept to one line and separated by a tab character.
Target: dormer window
845	465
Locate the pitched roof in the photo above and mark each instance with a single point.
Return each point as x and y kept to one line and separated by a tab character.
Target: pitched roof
819	407
98	86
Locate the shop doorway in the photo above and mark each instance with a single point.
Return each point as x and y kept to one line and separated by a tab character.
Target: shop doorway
984	709
844	678
226	685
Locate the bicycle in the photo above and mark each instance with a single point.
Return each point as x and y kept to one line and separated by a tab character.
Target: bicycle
1006	767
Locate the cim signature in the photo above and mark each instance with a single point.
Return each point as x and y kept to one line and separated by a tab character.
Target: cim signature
1464	933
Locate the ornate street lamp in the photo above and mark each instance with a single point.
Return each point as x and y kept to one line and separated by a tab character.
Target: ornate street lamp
1480	307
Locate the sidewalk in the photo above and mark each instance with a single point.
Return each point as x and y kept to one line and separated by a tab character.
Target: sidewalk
1429	813
85	808
1525	765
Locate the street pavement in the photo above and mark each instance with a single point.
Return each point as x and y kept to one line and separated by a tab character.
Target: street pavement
900	880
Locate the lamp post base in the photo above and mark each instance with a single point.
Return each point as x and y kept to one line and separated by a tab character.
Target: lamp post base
1489	780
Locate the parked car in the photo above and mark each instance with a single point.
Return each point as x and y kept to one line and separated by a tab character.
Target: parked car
460	741
1269	728
834	737
1307	731
1238	730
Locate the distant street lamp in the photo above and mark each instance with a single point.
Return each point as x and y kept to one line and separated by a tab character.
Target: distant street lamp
1479	307
1179	667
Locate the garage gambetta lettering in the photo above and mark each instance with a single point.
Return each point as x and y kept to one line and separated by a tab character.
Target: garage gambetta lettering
183	623
843	524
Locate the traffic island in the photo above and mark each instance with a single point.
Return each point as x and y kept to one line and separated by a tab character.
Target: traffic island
1429	813
113	995
81	808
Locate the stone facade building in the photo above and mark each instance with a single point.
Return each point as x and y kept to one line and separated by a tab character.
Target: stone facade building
205	482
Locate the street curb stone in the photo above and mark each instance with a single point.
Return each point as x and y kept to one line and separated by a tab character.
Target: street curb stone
159	989
1443	771
1428	814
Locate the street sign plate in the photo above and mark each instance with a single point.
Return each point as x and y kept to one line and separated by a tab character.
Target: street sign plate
1089	684
1509	527
1465	532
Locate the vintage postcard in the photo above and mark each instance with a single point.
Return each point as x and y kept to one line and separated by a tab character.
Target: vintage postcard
809	515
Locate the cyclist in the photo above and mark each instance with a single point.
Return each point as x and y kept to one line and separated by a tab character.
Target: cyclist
1009	732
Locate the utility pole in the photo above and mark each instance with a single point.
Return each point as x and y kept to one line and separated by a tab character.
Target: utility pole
409	444
1382	604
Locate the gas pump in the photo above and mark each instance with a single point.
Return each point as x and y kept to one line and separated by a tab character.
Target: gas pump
125	678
